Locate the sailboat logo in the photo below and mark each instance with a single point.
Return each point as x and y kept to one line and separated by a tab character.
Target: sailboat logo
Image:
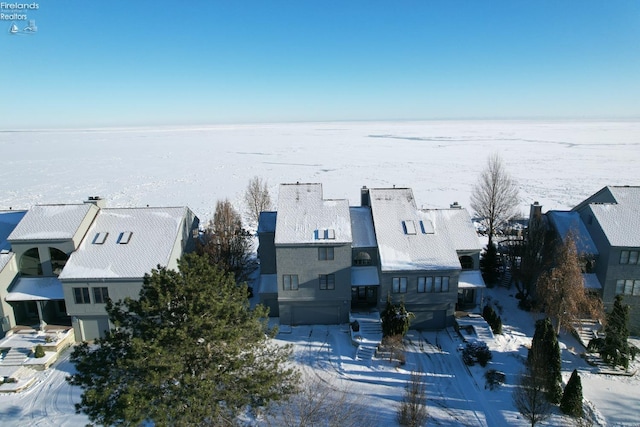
13	29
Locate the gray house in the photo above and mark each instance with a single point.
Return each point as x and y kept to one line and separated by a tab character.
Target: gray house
61	263
612	218
321	259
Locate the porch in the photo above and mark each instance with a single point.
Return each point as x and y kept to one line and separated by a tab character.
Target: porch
37	302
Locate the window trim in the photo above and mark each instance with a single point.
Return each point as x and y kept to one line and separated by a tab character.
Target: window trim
293	285
100	294
81	295
327	282
397	285
326	253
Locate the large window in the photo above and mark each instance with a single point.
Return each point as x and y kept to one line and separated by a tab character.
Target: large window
30	263
433	284
362	258
628	287
466	262
325	253
327	281
290	282
629	257
100	295
58	260
399	285
81	295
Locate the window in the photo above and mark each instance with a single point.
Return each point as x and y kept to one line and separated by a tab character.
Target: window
81	295
325	234
629	257
325	253
327	282
124	237
58	260
422	286
624	257
30	263
466	262
409	227
100	295
399	285
628	287
290	282
433	284
100	238
362	258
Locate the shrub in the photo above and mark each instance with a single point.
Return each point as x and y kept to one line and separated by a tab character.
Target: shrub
39	351
494	378
571	403
476	352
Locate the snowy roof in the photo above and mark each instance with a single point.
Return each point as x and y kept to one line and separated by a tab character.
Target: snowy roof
5	257
364	276
51	222
305	217
457	224
36	289
470	279
364	236
565	221
409	239
619	216
267	222
8	222
591	281
126	243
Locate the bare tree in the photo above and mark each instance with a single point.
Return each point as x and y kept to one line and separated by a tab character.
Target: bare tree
495	197
412	411
257	198
320	404
561	292
227	244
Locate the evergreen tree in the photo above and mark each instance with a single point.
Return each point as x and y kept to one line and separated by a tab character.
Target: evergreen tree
189	351
571	403
615	350
489	265
544	359
395	318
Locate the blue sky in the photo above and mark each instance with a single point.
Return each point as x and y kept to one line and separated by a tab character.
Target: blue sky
142	62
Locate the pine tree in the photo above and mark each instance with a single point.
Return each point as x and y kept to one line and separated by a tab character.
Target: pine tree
544	359
189	351
395	319
616	349
571	403
489	265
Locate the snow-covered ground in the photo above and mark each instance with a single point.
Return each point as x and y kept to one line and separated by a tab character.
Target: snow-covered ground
556	163
456	395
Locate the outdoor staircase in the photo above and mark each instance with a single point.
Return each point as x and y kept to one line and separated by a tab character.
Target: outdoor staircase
588	329
505	282
15	357
370	333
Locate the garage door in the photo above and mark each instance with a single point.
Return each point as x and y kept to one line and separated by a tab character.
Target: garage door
315	315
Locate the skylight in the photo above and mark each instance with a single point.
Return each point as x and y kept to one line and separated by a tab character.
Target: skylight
409	227
427	227
124	237
100	238
325	234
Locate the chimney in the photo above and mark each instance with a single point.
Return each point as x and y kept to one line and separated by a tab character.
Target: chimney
455	205
535	211
97	200
365	200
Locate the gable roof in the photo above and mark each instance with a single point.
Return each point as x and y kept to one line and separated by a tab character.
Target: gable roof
564	222
364	236
457	224
409	239
51	222
617	210
304	217
126	243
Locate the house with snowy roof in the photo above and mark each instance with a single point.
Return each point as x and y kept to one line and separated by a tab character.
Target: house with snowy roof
70	259
606	227
321	258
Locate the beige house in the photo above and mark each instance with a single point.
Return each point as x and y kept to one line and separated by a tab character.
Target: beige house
69	259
